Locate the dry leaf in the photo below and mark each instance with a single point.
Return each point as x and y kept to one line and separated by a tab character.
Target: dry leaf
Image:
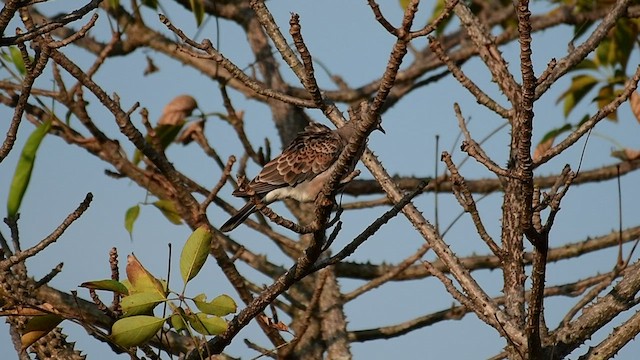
626	154
280	326
151	67
175	112
542	148
191	132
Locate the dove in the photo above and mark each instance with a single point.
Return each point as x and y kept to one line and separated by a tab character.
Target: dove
300	172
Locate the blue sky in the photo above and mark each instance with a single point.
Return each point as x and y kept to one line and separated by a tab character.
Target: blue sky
345	38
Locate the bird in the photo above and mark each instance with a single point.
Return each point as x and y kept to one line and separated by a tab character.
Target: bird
300	171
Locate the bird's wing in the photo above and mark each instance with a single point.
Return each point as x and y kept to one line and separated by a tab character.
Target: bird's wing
312	152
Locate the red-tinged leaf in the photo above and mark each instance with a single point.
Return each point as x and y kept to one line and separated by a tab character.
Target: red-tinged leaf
207	325
634	103
24	168
141	280
141	303
168	209
130	218
107	285
135	330
220	306
38	327
195	253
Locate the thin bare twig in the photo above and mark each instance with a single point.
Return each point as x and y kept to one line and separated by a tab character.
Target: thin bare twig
53	237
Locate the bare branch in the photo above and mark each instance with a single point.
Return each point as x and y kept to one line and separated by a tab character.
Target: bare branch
53	237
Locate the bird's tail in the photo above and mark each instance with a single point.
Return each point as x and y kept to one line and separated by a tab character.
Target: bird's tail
237	219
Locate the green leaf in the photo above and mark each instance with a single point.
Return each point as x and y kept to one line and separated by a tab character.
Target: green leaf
135	330
114	4
605	96
555	132
623	38
150	3
438	8
37	327
24	168
194	253
586	64
197	7
405	3
168	209
141	303
177	322
603	51
178	318
580	86
581	28
130	218
16	59
108	285
207	325
220	306
167	133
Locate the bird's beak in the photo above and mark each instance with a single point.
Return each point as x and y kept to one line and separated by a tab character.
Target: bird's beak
379	128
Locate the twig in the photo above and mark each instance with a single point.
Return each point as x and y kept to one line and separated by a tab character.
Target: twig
306	317
557	69
77	35
235	119
370	230
46	28
474	150
433	25
629	87
395	59
53	237
223	179
621	297
25	93
462	193
309	80
618	338
47	278
213	54
388	275
467	83
488	51
458	312
99	61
